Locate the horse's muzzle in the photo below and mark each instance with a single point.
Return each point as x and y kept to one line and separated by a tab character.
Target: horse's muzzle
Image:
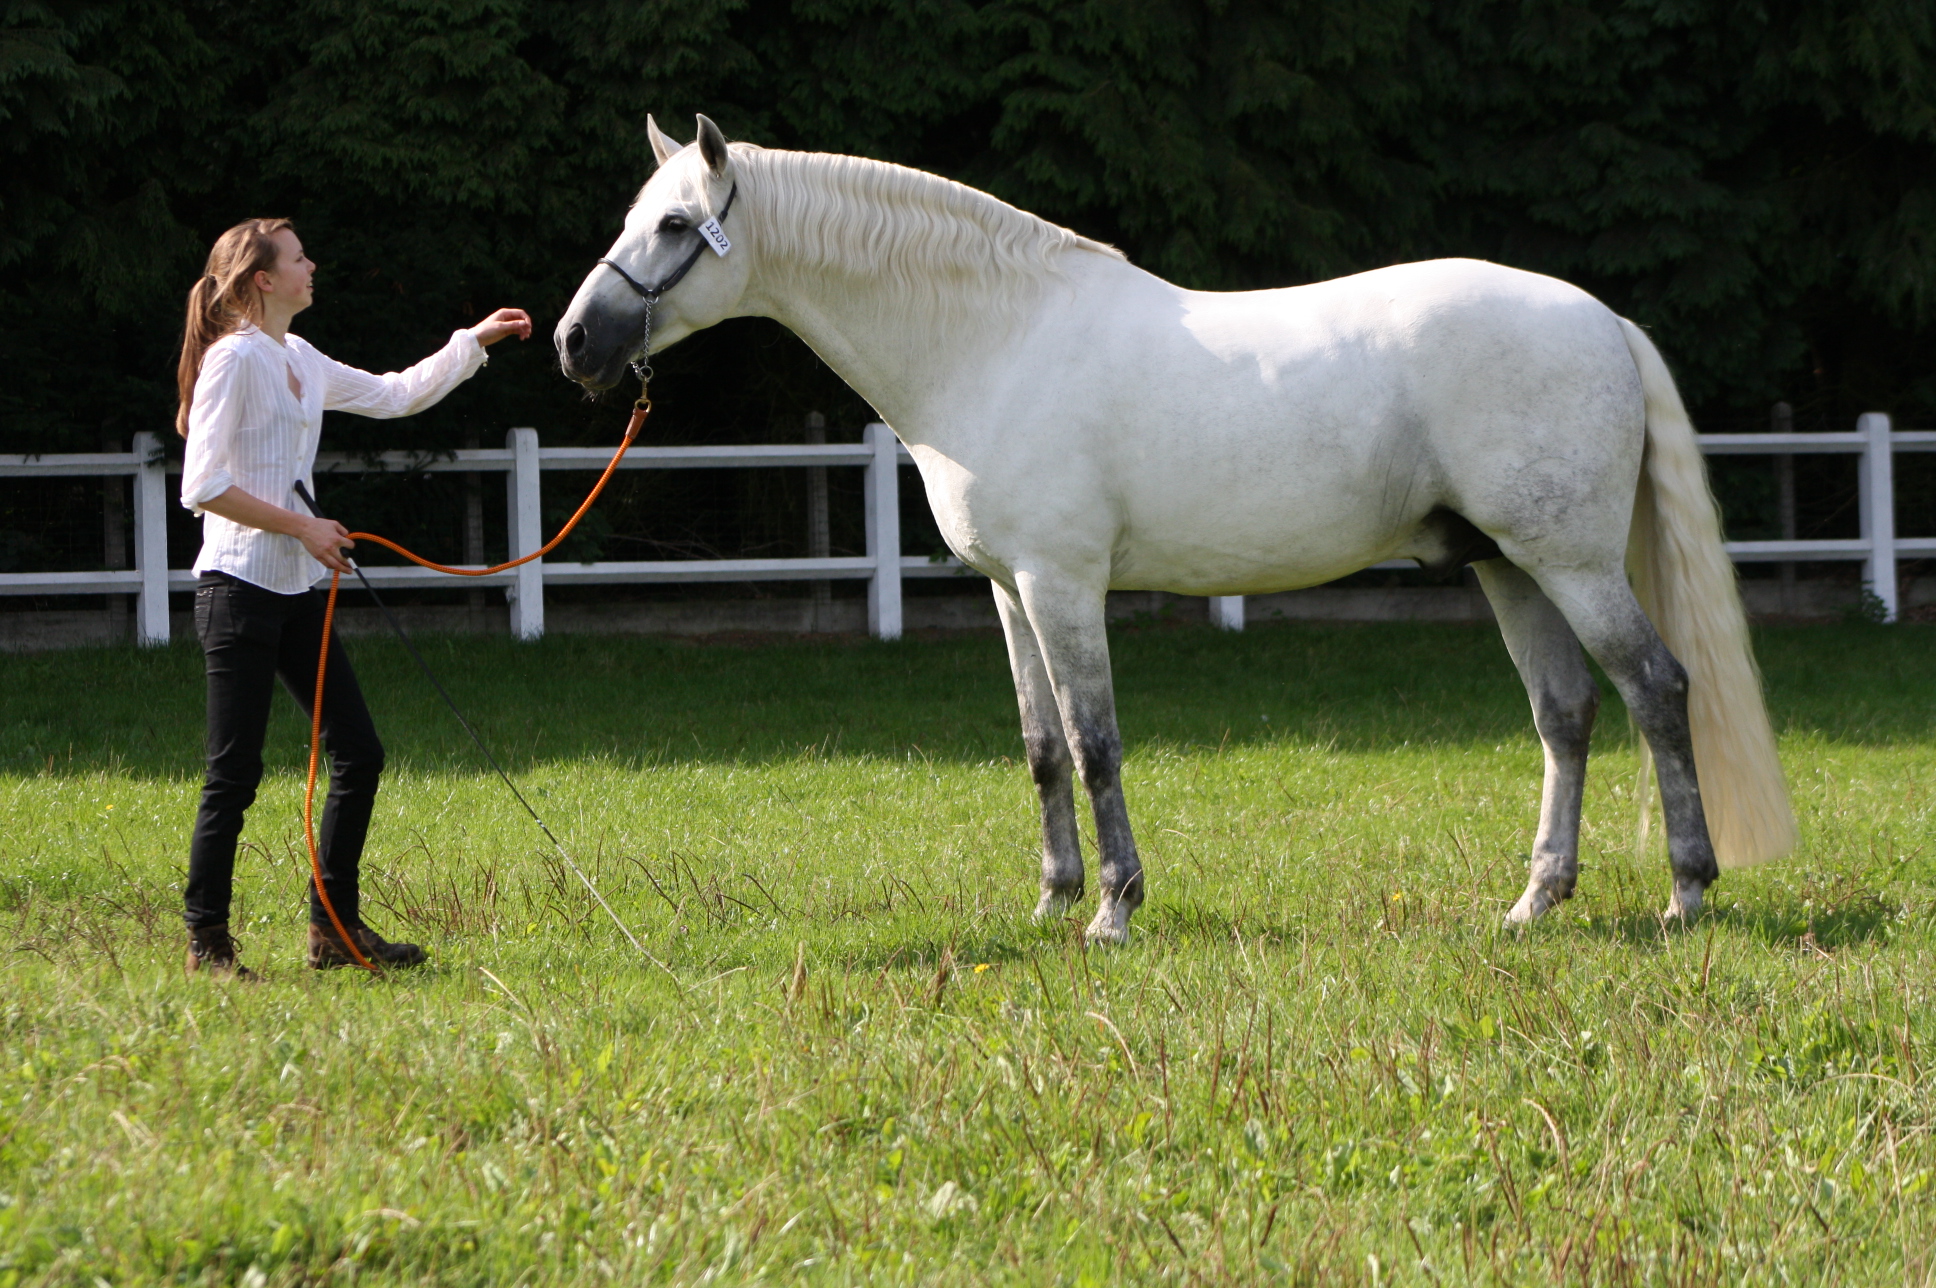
592	350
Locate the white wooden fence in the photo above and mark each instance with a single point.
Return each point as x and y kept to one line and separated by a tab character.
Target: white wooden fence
883	567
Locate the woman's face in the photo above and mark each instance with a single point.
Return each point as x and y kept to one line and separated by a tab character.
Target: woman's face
290	283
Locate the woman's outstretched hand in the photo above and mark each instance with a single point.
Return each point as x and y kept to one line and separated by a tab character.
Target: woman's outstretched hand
502	323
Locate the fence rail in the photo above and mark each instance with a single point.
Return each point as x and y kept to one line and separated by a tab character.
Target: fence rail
1874	444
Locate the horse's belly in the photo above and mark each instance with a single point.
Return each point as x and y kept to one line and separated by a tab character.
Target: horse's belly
1269	497
1238	544
1207	514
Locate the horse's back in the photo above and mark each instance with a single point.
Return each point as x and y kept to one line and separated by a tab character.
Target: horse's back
1433	321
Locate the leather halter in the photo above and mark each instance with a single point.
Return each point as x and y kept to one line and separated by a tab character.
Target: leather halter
651	294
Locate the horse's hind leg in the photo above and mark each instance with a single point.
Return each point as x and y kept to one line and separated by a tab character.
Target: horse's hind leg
1600	606
1049	761
1565	700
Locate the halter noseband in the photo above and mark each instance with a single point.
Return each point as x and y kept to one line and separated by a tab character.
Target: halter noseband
651	294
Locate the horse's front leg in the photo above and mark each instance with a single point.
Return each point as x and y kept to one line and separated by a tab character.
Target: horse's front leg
1049	761
1066	617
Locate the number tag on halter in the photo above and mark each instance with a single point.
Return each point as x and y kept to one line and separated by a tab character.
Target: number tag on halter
715	236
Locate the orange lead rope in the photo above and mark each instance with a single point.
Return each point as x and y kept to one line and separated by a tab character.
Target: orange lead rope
640	410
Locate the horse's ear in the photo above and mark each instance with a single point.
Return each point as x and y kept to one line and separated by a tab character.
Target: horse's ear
662	147
712	145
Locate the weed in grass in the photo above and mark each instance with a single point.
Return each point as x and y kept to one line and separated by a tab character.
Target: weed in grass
1320	1062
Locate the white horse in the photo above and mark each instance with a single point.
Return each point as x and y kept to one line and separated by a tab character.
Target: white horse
1083	426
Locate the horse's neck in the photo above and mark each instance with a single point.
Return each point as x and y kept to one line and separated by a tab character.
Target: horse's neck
880	341
937	293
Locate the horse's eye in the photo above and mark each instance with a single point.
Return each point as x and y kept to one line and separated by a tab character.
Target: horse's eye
673	224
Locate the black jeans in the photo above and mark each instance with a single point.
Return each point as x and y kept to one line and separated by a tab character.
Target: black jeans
251	637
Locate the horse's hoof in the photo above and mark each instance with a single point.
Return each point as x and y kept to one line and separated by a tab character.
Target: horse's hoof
1532	905
1055	904
1111	928
1685	906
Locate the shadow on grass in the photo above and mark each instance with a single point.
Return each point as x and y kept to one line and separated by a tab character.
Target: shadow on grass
1169	924
1791	926
636	703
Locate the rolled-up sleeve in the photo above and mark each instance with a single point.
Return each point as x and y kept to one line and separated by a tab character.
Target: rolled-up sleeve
214	417
401	393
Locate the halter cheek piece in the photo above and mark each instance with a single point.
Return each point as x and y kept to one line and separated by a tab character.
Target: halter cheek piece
651	294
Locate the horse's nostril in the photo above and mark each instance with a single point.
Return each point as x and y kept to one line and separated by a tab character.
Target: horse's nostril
575	339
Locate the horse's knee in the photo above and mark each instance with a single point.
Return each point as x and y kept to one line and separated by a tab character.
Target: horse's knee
1098	753
1049	761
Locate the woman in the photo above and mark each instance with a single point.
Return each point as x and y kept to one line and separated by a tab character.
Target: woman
252	404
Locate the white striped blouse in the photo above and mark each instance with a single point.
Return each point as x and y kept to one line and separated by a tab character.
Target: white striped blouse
248	429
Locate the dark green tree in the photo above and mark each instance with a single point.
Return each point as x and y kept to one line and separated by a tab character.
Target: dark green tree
1756	182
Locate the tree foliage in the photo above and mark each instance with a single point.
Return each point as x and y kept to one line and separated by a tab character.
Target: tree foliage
1755	181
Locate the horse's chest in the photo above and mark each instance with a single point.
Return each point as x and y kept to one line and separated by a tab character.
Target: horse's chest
969	528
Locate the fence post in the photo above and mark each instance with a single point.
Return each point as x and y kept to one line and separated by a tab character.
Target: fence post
819	534
882	486
1227	612
1876	485
525	528
151	541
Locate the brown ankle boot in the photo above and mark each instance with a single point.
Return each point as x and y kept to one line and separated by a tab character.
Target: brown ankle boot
327	950
212	952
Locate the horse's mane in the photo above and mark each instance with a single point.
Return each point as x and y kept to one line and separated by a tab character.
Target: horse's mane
930	239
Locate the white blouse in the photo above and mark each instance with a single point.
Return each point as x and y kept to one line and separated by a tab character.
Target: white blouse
248	429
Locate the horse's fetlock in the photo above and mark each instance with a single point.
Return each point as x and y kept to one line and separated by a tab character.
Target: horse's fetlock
1559	882
1694	863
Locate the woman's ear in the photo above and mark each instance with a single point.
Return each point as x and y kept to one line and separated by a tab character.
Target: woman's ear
663	148
712	146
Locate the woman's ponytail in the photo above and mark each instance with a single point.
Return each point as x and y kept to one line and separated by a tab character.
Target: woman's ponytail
222	299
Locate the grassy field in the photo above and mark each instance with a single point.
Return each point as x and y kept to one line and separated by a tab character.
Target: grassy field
854	1059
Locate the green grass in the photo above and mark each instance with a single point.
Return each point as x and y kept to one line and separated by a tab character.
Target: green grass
1321	1061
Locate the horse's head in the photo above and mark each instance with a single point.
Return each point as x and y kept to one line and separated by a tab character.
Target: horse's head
663	262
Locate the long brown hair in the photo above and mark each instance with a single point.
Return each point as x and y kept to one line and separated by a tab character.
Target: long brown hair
223	299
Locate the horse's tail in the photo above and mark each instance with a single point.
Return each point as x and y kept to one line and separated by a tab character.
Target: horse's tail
1686	584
